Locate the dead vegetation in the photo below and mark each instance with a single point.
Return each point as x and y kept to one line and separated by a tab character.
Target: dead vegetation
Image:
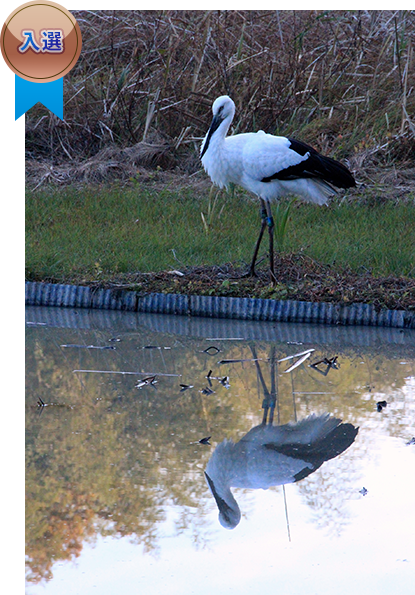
299	278
139	97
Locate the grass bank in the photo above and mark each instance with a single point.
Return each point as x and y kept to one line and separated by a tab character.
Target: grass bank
101	233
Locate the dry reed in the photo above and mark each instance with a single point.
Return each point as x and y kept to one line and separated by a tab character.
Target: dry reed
142	90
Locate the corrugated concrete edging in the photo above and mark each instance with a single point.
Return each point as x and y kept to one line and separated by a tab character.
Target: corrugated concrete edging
74	296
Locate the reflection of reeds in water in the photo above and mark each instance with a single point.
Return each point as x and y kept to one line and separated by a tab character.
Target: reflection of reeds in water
114	458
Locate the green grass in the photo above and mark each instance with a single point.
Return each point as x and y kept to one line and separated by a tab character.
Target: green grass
98	232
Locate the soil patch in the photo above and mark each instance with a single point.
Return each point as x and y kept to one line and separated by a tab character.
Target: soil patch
299	278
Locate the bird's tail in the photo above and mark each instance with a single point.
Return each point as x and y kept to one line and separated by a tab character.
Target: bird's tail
310	189
333	171
318	191
308	430
316	439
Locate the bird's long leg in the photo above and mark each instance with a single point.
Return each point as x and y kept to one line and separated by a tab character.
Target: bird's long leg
273	395
270	223
260	377
258	243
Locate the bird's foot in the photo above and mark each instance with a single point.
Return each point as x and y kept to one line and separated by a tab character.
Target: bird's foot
251	272
273	278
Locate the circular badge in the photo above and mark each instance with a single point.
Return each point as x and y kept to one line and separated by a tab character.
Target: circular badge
41	41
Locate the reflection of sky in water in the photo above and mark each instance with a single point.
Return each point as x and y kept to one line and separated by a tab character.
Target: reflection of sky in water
341	541
374	553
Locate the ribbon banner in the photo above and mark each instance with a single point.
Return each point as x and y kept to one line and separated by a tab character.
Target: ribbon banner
28	93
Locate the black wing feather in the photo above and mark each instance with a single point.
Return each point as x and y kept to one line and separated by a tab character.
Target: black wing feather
324	449
315	166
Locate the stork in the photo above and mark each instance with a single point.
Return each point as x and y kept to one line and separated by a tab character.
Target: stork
271	455
270	167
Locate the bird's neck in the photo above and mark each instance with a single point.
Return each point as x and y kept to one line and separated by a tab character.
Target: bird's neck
217	140
215	161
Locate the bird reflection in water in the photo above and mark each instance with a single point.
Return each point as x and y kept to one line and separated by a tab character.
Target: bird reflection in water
273	455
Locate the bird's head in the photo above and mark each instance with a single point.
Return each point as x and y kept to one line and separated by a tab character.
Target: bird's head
229	512
223	109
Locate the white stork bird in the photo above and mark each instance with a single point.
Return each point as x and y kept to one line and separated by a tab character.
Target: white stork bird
273	455
269	166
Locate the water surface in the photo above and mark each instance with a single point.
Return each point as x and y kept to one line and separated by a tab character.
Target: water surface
117	500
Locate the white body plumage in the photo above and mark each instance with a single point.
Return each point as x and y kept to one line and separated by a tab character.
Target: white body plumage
247	159
273	455
270	167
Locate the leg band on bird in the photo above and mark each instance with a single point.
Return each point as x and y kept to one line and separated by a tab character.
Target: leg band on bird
270	223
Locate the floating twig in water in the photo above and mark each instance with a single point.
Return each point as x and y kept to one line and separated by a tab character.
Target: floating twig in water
328	362
212	350
114	340
284	359
185	387
41	405
154	347
298	362
237	361
121	372
381	405
90	346
225	381
411	441
206	391
205	440
363	491
208	377
151	380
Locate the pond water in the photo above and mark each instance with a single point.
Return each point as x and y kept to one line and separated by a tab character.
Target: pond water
117	500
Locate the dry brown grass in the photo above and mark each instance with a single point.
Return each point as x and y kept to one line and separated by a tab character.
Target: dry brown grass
299	278
140	95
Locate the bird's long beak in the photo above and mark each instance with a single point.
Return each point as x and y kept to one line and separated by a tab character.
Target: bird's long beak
216	122
222	505
228	517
